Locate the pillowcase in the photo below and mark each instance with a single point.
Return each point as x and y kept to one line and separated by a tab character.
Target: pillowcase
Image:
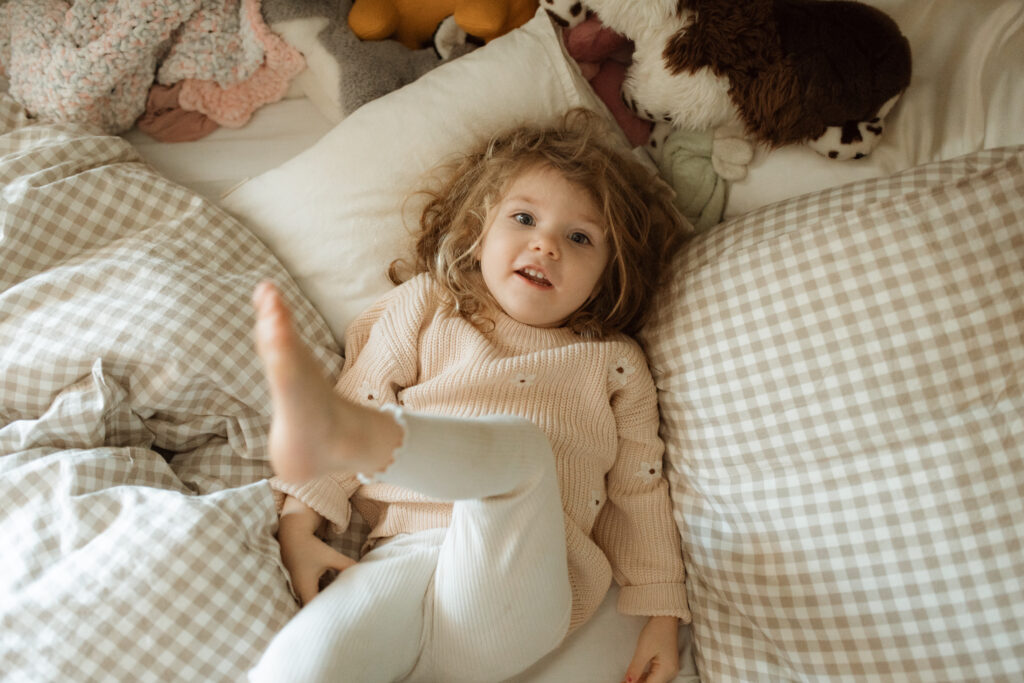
340	212
965	95
839	380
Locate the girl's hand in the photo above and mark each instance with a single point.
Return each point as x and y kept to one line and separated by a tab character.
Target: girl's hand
657	652
305	556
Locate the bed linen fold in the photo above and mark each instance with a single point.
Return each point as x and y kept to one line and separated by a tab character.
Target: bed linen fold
136	529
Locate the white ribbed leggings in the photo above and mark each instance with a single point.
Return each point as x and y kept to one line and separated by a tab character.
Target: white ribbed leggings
478	601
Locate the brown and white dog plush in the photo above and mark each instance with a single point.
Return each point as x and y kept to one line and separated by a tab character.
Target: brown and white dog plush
822	72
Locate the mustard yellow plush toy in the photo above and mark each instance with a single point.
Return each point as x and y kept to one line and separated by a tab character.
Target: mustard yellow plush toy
413	22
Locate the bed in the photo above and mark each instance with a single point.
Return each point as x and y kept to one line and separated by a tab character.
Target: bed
839	367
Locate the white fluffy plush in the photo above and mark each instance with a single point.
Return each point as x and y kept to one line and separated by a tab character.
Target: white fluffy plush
700	101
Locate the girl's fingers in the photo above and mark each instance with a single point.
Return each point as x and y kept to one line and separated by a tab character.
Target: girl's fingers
327	558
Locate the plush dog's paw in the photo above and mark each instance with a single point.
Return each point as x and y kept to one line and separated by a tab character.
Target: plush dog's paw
731	153
854	139
656	142
565	13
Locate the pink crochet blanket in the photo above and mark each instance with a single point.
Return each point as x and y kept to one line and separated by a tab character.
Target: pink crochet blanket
94	61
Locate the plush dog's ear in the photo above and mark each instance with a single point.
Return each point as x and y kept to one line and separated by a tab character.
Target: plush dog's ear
729	37
841	61
681	54
739	39
851	56
778	108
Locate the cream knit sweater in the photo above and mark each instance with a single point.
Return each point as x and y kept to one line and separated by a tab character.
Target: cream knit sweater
595	401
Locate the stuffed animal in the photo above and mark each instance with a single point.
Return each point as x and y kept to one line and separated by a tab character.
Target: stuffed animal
413	22
822	72
696	164
343	72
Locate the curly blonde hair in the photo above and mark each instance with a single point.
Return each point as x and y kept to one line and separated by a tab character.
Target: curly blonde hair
643	227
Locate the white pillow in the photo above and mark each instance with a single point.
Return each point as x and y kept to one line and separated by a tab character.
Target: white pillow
966	94
340	212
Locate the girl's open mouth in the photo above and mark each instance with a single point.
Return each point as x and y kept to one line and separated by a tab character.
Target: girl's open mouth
534	277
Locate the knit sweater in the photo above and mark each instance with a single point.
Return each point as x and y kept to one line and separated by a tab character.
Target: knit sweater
594	399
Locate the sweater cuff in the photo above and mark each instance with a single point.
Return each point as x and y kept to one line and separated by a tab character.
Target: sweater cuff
324	495
655	600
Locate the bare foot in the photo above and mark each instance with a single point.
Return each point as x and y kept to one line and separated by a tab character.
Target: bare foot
313	430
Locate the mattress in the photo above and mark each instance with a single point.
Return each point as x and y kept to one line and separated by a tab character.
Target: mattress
212	166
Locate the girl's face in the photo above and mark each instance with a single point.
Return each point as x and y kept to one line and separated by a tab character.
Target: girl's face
544	248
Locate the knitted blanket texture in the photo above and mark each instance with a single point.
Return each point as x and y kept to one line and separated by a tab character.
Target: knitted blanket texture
94	61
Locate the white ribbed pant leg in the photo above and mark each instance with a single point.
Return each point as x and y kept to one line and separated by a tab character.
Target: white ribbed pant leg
501	595
479	602
366	626
501	592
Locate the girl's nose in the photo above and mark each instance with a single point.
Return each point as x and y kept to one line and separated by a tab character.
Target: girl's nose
545	245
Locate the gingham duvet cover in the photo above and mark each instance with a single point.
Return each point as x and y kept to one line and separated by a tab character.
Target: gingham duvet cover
840	391
136	535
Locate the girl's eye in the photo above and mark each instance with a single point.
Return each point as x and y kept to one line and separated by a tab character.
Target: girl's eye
523	218
579	238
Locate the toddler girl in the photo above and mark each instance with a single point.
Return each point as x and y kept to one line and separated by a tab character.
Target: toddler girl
493	423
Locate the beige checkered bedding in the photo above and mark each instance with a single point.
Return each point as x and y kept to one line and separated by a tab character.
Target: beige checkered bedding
840	382
125	333
841	390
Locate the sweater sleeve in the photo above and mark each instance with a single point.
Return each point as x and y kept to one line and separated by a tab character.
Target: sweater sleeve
380	360
635	527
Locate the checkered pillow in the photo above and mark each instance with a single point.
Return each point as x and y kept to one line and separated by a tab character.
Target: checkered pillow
840	380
